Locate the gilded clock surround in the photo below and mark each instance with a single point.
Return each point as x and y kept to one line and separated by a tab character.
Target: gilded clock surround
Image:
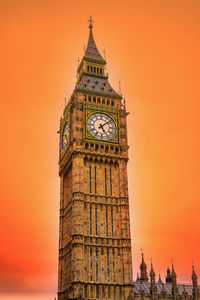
89	110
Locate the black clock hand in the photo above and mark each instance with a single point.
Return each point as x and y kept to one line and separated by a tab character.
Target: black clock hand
100	126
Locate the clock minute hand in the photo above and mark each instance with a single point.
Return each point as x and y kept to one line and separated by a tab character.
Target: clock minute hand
100	126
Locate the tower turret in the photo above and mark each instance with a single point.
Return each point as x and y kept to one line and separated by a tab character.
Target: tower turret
174	284
153	288
168	277
195	289
143	270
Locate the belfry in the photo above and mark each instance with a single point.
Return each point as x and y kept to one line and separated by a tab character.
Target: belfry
94	236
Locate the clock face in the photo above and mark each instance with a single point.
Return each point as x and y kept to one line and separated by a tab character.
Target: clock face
65	135
101	126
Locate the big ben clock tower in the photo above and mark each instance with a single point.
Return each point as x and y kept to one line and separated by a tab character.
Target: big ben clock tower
94	237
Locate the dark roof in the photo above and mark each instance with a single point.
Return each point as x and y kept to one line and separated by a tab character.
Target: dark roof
91	50
95	84
145	286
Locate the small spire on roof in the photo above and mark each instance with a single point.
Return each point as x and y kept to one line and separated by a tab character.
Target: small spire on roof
160	280
143	269
91	22
91	50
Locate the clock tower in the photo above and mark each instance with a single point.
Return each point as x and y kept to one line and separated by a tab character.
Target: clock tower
94	235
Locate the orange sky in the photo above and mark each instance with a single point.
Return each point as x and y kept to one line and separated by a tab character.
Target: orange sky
153	48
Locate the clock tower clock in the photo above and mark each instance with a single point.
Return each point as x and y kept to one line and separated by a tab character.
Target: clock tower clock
94	235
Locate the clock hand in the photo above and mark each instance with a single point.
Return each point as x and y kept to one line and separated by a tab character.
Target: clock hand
100	126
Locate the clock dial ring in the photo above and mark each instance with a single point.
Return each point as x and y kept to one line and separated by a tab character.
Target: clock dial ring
65	135
101	126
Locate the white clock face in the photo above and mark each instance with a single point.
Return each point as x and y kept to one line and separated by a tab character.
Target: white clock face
65	135
101	126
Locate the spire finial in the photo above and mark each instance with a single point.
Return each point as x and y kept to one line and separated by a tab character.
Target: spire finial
91	22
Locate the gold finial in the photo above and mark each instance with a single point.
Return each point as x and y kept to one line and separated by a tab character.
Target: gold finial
84	48
91	22
104	53
65	101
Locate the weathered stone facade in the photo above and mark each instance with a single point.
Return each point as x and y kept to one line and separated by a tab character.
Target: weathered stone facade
94	236
94	243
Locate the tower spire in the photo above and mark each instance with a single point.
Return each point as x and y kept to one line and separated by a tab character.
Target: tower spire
195	289
153	288
174	283
91	22
91	51
143	270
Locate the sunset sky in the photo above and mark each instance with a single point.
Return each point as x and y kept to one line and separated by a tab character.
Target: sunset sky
152	47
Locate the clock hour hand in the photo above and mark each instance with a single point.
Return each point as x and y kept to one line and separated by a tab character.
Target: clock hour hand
105	123
101	127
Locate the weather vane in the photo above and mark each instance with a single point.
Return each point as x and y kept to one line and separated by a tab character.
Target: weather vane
91	22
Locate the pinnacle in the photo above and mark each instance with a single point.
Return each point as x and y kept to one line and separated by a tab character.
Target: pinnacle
91	50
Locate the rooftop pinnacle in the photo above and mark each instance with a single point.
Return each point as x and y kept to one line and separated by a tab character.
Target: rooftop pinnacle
91	50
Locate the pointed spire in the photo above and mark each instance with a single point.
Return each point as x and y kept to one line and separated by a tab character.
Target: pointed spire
91	50
195	289
194	276
143	270
173	274
174	283
153	288
160	280
152	273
